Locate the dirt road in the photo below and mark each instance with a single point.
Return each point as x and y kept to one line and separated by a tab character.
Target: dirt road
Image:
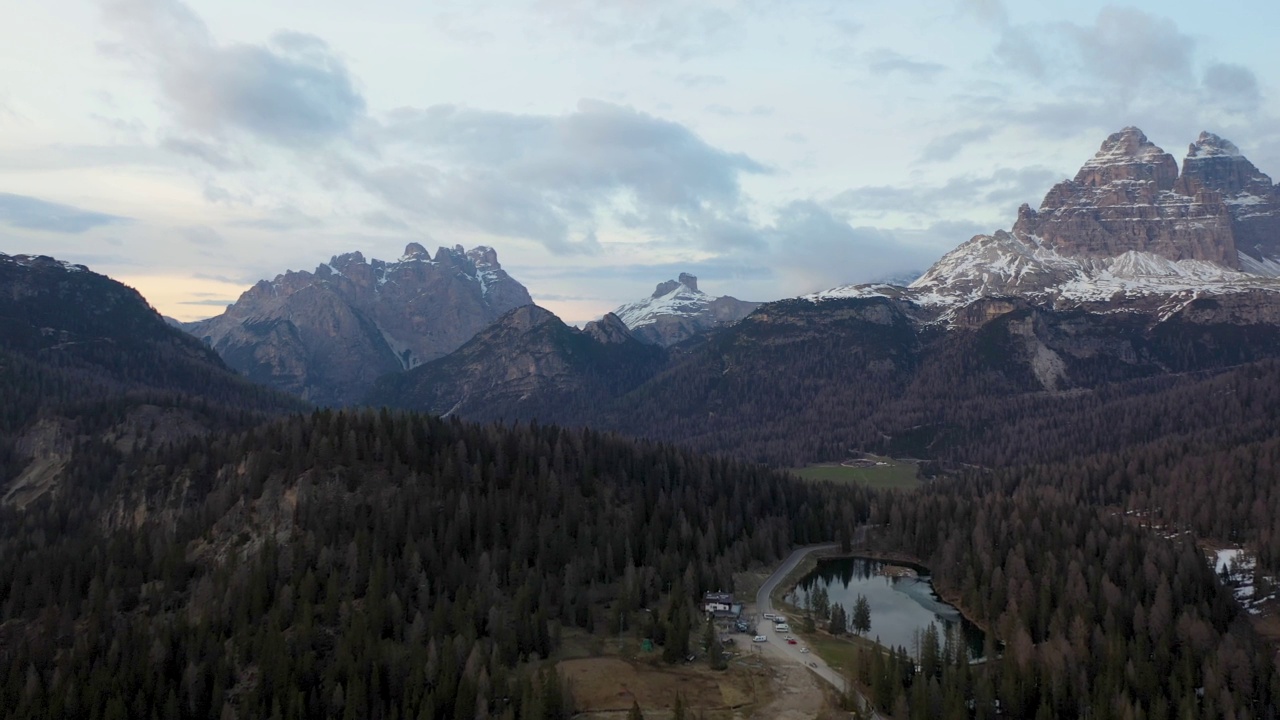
776	647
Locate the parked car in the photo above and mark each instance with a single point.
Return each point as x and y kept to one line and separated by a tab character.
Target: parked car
759	638
804	649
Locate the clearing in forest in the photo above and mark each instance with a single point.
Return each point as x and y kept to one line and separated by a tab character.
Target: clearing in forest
871	471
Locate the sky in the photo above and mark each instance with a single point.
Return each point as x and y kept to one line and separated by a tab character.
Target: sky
190	148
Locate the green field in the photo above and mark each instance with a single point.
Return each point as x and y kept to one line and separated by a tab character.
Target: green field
895	475
840	654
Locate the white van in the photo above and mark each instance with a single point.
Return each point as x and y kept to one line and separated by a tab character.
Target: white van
782	627
769	616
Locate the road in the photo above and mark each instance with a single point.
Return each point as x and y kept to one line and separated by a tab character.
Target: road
777	646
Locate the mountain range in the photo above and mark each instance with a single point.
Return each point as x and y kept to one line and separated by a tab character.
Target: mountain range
327	335
1128	228
176	540
1127	272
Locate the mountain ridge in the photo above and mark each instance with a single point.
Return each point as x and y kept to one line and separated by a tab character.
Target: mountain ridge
1130	226
678	310
328	335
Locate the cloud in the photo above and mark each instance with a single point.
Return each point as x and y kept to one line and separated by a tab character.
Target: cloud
554	178
946	147
726	111
884	61
989	12
292	91
654	28
203	236
814	249
211	153
30	213
9	113
1005	186
281	219
1124	49
699	80
1233	87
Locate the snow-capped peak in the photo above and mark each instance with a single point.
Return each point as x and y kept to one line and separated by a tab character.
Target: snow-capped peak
677	309
1210	145
673	297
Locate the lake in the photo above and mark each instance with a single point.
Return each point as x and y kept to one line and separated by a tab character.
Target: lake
901	607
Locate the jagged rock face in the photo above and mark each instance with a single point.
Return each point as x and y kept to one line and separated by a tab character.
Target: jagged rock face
328	335
1127	233
1126	199
678	310
609	329
1216	165
528	364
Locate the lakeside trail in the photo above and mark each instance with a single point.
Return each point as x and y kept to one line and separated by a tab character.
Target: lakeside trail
788	658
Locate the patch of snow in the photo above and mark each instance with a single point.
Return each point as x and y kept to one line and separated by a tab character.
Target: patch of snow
1210	145
1266	267
854	291
1022	265
681	301
1245	199
402	350
487	278
1222	559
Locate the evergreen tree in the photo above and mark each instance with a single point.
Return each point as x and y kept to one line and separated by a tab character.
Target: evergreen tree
861	614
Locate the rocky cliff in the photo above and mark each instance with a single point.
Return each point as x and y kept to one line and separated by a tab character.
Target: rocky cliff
327	335
527	365
1127	198
677	310
1128	231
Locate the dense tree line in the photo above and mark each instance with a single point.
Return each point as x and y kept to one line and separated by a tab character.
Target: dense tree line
372	565
1097	617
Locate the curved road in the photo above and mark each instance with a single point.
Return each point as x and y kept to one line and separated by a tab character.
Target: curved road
777	646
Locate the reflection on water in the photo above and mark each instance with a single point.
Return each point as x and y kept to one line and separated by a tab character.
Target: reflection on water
901	608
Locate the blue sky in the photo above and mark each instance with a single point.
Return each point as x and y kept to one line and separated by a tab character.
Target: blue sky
602	146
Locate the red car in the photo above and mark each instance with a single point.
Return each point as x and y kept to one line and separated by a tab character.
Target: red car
791	641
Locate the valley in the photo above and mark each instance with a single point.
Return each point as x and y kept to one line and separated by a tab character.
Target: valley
403	489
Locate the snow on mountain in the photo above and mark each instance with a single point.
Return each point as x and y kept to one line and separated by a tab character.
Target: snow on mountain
1128	226
1007	264
677	309
681	298
42	260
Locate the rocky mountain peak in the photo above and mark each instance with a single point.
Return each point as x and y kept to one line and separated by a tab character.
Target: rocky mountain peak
1216	164
664	288
1210	145
609	330
1129	197
327	335
484	257
1128	156
415	251
346	260
677	309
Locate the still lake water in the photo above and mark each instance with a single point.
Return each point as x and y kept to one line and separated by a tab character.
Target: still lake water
900	607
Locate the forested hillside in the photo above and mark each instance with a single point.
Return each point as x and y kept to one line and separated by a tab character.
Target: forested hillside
85	362
1099	617
372	565
208	554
